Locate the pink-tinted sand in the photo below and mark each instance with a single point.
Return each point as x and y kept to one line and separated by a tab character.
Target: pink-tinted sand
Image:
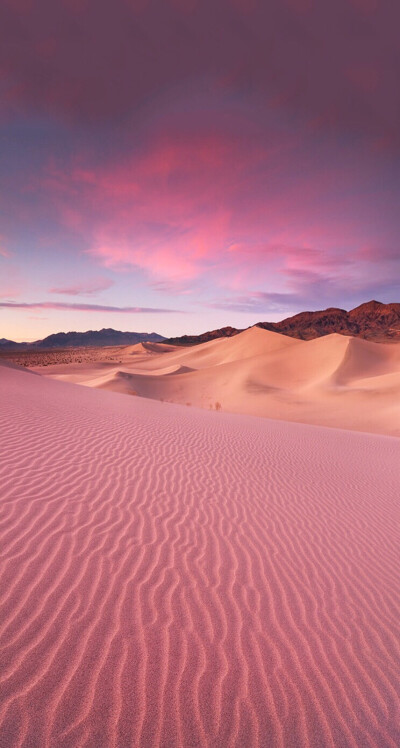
335	380
177	577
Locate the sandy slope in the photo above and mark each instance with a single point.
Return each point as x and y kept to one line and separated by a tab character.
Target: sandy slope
175	577
333	381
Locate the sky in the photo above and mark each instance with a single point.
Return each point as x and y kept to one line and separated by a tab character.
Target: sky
180	165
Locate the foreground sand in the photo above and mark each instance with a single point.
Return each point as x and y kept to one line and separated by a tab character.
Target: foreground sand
176	577
334	381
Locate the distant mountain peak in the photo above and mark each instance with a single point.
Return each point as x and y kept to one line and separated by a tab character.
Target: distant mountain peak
105	337
372	320
372	305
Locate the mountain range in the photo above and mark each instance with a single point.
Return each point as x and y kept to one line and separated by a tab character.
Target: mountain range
104	337
371	321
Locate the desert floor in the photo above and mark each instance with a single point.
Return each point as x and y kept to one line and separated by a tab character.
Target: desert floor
172	576
334	381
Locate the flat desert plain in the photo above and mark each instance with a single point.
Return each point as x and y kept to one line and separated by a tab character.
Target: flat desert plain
181	576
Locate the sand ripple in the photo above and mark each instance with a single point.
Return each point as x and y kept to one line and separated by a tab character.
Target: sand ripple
176	577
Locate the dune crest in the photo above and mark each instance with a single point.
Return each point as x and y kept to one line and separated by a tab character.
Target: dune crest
334	380
149	347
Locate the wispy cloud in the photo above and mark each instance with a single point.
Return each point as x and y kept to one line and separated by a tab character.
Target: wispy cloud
170	287
308	291
87	307
259	302
84	289
4	252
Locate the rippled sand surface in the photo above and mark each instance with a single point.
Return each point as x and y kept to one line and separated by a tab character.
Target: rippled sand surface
177	577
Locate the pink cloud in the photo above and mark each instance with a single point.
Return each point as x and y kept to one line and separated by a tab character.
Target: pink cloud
4	252
84	289
9	292
12	282
223	205
166	210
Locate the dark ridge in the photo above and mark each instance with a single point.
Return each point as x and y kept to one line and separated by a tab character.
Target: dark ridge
91	338
371	321
223	332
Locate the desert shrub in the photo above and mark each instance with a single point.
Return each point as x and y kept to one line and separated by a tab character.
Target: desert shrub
218	406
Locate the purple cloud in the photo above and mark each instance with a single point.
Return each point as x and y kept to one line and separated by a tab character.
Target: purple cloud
84	289
87	307
4	252
283	51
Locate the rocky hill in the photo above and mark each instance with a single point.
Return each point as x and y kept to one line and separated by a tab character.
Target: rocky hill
223	332
372	321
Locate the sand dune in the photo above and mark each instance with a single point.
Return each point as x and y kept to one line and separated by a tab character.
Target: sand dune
333	381
140	348
175	577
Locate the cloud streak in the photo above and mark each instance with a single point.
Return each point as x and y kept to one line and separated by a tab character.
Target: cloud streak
4	252
84	289
87	307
